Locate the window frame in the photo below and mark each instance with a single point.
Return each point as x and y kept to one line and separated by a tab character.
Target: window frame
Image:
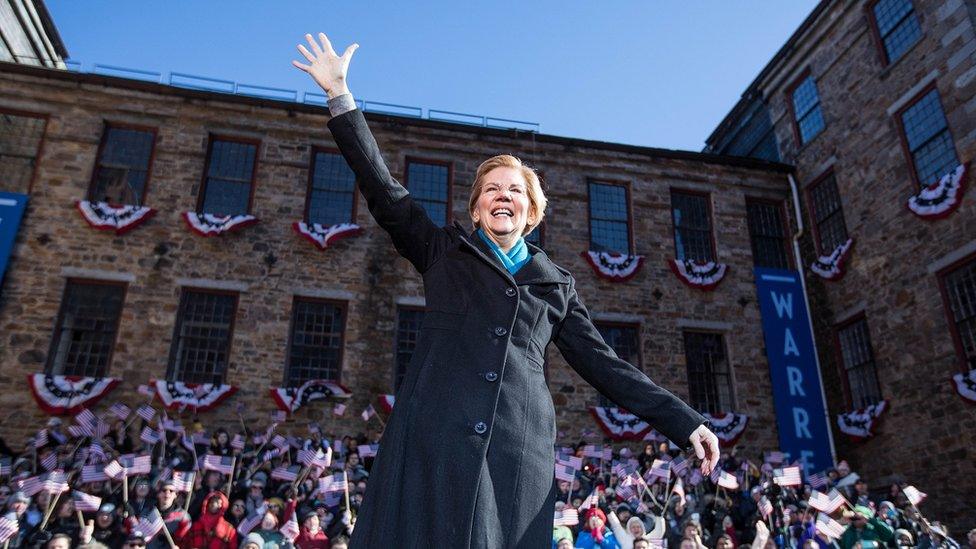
597	323
941	276
879	43
711	218
55	335
408	159
630	210
789	91
316	149
839	357
733	396
202	193
172	361
46	117
106	125
903	137
343	306
396	338
812	208
790	260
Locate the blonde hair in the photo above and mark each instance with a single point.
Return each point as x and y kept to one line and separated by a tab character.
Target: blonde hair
537	198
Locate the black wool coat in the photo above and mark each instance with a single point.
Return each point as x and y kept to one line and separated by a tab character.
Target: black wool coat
467	456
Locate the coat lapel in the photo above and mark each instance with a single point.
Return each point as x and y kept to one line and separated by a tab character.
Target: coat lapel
538	270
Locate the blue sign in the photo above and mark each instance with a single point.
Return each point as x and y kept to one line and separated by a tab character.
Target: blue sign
804	431
12	207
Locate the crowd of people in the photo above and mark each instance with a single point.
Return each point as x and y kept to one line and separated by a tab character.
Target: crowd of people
140	478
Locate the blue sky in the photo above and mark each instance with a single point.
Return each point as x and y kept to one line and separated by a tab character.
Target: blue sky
659	73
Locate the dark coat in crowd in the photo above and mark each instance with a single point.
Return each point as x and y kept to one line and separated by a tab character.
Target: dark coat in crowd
466	459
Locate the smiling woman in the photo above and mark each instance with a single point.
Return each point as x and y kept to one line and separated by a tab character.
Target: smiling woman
473	430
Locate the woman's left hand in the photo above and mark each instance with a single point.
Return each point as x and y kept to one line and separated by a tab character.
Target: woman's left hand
706	448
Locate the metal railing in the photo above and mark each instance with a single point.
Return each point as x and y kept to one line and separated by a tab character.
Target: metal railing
204	83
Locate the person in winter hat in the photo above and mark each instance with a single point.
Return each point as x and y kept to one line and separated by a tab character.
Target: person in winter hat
594	533
211	530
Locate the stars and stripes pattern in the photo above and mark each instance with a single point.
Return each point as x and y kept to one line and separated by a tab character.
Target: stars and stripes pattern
368	450
565	472
590	501
93	473
120	411
315	458
287	474
333	483
829	527
567	517
818	481
146	412
50	461
290	529
914	495
86	503
8	527
787	476
41	439
339	409
252	520
728	481
679	465
54	482
765	506
660	469
183	480
238	442
221	464
368	412
149	435
150	525
827	503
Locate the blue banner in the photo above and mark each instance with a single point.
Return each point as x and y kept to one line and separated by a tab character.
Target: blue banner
797	391
12	207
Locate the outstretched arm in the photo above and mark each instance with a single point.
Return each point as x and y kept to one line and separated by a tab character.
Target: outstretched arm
414	234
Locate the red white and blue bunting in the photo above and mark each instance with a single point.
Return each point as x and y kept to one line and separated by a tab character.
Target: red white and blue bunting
199	397
105	217
322	236
831	267
965	385
64	395
205	224
619	424
612	266
290	399
858	424
386	402
941	198
701	276
728	427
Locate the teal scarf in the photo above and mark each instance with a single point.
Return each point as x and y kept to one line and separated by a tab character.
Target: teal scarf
517	256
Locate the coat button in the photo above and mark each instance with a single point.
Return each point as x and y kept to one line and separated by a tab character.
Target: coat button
480	427
491	376
510	292
499	331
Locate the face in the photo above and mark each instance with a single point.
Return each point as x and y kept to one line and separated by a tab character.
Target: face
636	529
312	523
134	544
563	544
594	522
257	490
18	507
103	520
688	544
641	544
59	543
166	496
142	489
502	208
724	543
222	438
268	522
213	505
238	508
352	460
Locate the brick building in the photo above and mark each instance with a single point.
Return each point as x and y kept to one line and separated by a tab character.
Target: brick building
871	101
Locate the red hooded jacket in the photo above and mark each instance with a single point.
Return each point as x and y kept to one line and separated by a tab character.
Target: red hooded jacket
211	530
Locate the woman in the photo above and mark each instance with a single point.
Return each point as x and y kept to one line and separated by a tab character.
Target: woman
474	426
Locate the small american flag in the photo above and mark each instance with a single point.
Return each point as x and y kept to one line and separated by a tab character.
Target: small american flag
564	472
168	424
593	450
787	476
50	461
77	431
279	416
914	495
660	469
279	442
679	465
183	480
146	412
54	482
287	474
727	481
96	453
337	446
572	461
221	464
149	435
568	517
368	450
765	506
339	409
619	469
93	473
102	429
332	483
136	465
85	502
40	439
252	520
271	454
86	417
368	412
290	529
238	442
5	467
201	438
829	527
775	458
120	411
8	527
590	501
114	470
818	480
150	525
315	458
828	503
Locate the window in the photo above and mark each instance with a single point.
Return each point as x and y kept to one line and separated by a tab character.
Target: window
20	141
409	320
430	185
315	343
932	152
229	177
692	218
201	341
625	341
87	324
122	168
807	116
767	234
858	361
709	377
959	293
827	214
896	26
331	190
609	218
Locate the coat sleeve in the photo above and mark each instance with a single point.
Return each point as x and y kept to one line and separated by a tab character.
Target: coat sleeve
584	349
414	234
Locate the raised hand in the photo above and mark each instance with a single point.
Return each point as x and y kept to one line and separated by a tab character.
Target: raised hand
706	448
326	67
